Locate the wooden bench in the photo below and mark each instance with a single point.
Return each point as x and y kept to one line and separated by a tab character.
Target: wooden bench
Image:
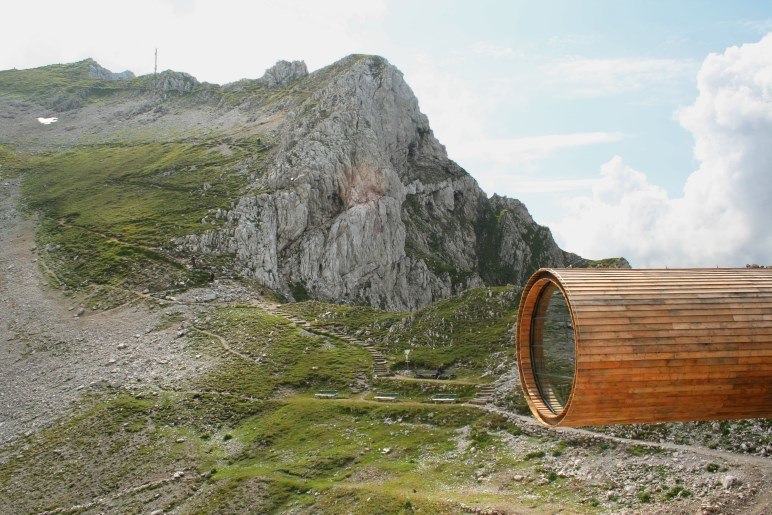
432	374
327	394
390	397
445	397
448	373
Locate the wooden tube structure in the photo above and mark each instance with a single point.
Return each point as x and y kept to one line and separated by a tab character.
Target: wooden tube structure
621	346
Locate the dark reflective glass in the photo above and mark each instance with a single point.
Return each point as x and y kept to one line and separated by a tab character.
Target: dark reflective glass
553	354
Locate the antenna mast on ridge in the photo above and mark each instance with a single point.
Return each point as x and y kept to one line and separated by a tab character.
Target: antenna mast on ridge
155	68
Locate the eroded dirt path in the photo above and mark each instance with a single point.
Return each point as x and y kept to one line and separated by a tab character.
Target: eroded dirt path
49	356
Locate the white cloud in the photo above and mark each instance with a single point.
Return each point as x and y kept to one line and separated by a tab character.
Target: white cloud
456	108
493	50
760	26
596	77
724	215
461	110
516	151
571	41
527	185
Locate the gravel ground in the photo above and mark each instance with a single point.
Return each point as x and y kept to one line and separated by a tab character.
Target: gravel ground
52	349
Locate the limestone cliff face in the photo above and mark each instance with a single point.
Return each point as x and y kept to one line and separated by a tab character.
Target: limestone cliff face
360	203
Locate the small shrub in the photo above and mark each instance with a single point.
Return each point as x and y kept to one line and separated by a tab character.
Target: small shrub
644	497
481	438
552	476
712	467
638	450
677	491
534	454
514	431
227	437
562	444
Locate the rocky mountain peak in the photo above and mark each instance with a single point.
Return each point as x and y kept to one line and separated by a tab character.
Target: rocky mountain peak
347	195
175	81
284	72
97	71
361	203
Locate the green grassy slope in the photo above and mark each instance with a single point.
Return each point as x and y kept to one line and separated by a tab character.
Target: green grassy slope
263	456
108	213
64	87
12	164
289	358
49	84
466	331
250	436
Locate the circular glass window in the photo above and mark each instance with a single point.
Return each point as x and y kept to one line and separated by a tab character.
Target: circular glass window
553	353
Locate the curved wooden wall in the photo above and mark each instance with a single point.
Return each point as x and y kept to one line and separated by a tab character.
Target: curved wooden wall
659	345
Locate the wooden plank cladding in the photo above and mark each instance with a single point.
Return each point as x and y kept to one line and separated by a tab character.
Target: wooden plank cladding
606	346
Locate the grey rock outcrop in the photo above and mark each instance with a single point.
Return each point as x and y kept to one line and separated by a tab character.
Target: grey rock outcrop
97	71
361	204
174	81
283	73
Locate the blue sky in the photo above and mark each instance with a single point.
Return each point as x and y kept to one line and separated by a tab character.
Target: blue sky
646	54
551	102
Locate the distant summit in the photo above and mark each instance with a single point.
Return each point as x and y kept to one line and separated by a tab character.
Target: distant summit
284	72
170	80
167	80
100	72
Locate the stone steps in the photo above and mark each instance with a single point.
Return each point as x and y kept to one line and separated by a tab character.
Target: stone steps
484	395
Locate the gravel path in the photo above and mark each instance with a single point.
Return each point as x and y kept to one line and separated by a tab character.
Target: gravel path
49	355
734	458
